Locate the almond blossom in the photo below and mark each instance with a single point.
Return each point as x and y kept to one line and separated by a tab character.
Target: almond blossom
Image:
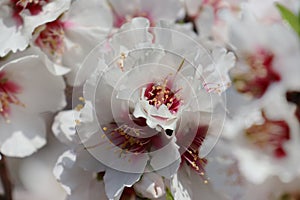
138	123
65	41
19	18
26	89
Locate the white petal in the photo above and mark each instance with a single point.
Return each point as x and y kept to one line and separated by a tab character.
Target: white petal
88	24
205	21
162	10
50	12
115	181
188	185
64	126
88	162
69	174
166	160
41	90
24	135
12	38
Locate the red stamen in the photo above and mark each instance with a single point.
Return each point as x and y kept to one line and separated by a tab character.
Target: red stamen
8	91
260	76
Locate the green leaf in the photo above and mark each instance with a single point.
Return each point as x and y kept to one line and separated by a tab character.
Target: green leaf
292	19
169	195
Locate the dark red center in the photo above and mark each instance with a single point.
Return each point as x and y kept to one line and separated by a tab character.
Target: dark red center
8	91
270	136
158	95
260	75
34	7
51	38
123	138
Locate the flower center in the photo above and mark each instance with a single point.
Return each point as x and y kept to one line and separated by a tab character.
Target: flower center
270	136
8	91
123	138
34	7
158	95
261	74
51	38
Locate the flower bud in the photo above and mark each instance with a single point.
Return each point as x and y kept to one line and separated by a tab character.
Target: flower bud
151	185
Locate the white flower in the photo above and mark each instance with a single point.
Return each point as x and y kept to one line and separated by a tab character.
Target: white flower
27	89
19	18
265	134
267	55
142	106
263	127
68	39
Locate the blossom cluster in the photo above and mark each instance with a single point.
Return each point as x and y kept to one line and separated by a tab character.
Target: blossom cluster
172	99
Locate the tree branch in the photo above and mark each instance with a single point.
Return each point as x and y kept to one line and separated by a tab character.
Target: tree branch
5	179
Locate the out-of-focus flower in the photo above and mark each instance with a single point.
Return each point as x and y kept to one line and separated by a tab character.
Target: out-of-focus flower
266	135
69	38
271	55
26	89
262	126
19	18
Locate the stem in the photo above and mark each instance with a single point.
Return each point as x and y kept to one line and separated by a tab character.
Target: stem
5	179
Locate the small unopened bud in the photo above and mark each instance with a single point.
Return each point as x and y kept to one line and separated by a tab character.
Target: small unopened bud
151	186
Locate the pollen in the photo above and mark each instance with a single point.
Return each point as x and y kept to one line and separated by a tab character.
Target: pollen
121	61
123	138
79	107
81	99
161	94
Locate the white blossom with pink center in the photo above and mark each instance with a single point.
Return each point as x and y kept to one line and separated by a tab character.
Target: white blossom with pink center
19	18
146	105
70	37
27	90
65	41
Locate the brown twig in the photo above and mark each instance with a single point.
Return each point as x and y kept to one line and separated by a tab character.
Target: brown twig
5	179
